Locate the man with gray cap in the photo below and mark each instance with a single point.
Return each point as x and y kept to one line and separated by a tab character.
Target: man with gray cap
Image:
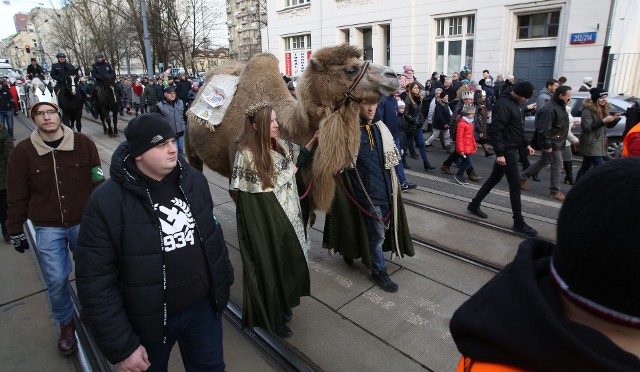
570	306
49	179
152	267
506	135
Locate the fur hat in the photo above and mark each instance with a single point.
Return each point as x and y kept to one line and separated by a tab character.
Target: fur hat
597	93
595	263
587	80
524	89
147	131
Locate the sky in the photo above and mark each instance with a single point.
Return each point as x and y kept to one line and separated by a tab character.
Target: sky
7	26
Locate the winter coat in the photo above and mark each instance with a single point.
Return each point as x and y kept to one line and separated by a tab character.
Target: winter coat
59	70
413	112
6	146
543	98
35	71
136	93
120	259
552	125
632	142
6	99
103	72
441	116
174	113
182	90
149	95
126	94
51	186
387	111
516	319
192	96
506	130
593	138
465	138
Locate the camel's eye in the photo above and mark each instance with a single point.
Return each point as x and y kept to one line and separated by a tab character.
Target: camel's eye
351	70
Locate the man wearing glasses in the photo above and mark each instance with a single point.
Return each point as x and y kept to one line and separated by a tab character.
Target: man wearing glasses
50	177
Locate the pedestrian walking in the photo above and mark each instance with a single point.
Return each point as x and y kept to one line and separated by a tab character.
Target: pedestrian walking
173	111
271	230
152	267
465	142
506	135
50	177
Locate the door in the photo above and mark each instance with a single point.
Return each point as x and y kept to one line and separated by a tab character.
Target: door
534	65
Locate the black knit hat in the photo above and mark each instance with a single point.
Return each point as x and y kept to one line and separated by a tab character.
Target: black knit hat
596	260
597	93
147	131
524	89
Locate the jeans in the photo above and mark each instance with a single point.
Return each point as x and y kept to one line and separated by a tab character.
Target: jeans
587	163
375	235
436	134
198	331
523	154
465	163
180	143
555	159
8	117
399	168
54	244
510	169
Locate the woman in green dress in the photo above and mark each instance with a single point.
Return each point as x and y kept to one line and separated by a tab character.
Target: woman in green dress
271	231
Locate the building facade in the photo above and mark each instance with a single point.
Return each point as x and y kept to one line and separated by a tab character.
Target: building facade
531	40
245	19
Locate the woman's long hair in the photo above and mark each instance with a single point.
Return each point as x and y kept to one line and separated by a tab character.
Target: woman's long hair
257	139
410	94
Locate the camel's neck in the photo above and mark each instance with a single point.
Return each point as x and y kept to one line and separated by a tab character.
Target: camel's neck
296	124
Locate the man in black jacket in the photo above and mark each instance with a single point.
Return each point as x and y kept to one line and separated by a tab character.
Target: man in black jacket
552	126
59	71
506	134
152	266
34	70
102	71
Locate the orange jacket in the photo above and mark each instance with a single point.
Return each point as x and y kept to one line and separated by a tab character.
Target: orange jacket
634	132
469	365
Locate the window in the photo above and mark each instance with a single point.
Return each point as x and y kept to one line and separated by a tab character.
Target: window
297	42
457	48
532	26
290	3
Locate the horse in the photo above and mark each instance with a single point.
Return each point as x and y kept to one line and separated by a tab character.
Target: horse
108	102
70	101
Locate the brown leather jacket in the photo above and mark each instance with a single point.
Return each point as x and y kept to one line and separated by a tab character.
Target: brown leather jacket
51	186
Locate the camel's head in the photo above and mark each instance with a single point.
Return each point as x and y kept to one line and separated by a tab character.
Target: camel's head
333	70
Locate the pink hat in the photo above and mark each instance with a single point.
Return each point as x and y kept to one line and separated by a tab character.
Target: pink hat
407	68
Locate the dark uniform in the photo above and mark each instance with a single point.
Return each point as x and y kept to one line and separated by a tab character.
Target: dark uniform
59	71
35	71
102	72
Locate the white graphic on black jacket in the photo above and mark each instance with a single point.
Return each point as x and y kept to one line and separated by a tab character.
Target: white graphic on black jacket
177	224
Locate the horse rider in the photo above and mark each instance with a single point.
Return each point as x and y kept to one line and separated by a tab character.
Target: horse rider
59	71
102	71
35	70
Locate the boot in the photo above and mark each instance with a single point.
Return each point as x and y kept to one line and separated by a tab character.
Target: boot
67	341
487	152
428	166
568	169
445	169
473	176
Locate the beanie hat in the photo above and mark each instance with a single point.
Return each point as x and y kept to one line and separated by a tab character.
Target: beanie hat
34	108
595	263
147	131
587	79
524	89
465	81
401	104
407	68
438	90
597	93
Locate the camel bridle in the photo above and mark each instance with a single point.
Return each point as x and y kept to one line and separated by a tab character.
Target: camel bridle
348	95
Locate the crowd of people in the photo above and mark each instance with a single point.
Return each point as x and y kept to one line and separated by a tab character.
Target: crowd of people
152	266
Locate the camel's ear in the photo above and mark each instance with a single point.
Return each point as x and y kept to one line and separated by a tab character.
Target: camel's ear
316	64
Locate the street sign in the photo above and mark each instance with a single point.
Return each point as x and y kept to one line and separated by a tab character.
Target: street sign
45	65
583	38
160	65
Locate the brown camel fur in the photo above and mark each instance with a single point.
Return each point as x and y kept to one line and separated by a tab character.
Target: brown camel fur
329	74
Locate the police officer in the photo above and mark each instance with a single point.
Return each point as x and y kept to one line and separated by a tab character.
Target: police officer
102	71
35	70
59	69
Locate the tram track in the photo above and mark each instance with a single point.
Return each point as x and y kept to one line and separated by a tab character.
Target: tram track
274	351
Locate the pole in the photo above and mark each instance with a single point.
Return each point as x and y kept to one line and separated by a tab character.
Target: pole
147	41
126	56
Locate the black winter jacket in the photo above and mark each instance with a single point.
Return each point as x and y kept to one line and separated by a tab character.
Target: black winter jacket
102	72
119	259
552	124
59	70
506	130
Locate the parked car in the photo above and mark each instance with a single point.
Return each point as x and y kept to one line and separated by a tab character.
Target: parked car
618	103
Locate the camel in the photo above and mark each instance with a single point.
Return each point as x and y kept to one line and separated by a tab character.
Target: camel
321	106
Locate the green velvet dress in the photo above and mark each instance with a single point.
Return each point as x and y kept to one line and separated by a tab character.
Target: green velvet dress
272	239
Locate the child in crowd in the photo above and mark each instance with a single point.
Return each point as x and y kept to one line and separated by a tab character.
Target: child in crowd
465	142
